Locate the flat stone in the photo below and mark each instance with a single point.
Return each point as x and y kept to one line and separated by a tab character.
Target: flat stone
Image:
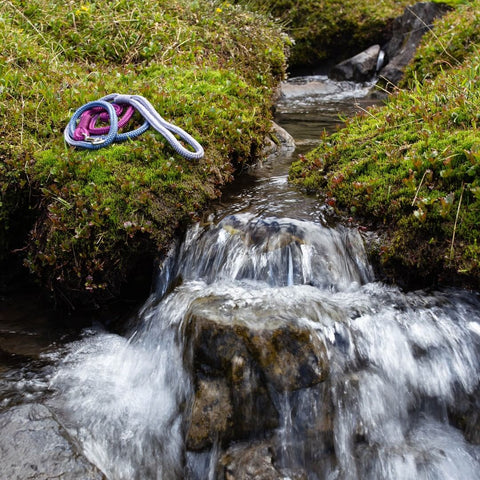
34	446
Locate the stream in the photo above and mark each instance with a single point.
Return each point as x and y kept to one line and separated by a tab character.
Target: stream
267	350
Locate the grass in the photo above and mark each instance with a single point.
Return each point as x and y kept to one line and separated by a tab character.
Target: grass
83	220
412	166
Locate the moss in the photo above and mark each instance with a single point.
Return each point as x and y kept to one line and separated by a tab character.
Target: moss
331	29
411	166
81	220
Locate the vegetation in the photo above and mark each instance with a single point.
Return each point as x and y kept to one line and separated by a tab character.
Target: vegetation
82	221
413	165
85	221
331	29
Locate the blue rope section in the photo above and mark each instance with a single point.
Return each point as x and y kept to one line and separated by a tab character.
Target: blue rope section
151	116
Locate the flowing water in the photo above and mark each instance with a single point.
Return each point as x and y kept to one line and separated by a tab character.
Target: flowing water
400	397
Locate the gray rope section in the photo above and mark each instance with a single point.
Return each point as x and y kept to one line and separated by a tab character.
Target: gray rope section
147	110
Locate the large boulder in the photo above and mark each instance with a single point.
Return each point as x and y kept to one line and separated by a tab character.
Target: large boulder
408	30
33	445
240	357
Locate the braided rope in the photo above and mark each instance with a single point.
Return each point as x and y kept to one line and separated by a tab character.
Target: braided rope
86	126
88	142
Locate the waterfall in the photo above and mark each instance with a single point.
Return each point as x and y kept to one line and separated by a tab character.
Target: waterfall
387	390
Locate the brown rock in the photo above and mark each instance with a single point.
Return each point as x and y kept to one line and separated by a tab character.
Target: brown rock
253	461
239	356
211	414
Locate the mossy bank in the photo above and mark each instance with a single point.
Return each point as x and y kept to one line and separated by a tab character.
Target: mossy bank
85	221
412	167
330	30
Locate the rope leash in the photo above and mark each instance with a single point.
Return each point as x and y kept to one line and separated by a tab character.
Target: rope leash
85	133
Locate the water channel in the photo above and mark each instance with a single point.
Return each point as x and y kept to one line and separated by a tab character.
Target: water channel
389	389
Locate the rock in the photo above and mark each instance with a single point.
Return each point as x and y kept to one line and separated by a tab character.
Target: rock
360	68
33	445
279	141
253	461
224	370
408	30
464	414
212	413
245	462
239	356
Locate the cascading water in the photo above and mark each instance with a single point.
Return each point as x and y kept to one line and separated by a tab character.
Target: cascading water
354	379
398	363
125	400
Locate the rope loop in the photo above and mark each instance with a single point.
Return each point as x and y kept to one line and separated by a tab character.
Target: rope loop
109	109
72	132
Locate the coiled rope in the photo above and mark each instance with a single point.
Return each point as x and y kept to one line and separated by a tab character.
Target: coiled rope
85	133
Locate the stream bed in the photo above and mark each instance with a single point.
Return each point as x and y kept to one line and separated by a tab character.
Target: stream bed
267	350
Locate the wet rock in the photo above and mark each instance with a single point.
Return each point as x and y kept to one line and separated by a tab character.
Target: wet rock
212	413
33	445
313	416
253	461
408	30
225	372
247	462
360	68
465	415
251	353
279	141
265	236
